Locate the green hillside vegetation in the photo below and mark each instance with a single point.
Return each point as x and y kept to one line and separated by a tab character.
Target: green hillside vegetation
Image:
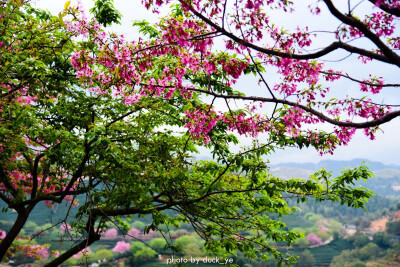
381	249
311	218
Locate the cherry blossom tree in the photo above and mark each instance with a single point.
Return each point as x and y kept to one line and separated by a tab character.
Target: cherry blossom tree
314	239
84	112
121	247
111	233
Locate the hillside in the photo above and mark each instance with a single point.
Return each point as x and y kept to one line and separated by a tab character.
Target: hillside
386	180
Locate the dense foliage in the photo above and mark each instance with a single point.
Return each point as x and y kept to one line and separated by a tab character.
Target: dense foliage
84	112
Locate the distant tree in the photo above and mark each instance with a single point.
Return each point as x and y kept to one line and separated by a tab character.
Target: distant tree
145	254
306	259
121	247
111	233
158	244
136	246
186	240
361	240
303	242
103	254
345	258
381	239
369	251
313	239
393	227
193	250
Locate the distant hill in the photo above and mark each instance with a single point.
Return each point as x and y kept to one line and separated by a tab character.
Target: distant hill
386	180
336	166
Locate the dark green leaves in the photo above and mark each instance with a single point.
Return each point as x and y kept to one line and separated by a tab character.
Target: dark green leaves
105	12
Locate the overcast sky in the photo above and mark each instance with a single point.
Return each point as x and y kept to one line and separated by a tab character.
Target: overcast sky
386	147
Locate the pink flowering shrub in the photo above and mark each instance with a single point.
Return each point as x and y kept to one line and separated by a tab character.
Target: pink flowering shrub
134	232
323	228
313	239
121	247
38	252
111	233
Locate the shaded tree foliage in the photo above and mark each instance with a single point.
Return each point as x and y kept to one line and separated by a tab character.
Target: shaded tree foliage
83	112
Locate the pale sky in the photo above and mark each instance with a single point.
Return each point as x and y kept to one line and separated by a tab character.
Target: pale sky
386	147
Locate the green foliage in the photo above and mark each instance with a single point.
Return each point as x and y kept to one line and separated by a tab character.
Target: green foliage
146	28
381	239
158	244
105	12
103	254
136	246
369	251
145	254
393	227
302	242
31	227
186	240
193	250
123	160
360	240
139	225
306	259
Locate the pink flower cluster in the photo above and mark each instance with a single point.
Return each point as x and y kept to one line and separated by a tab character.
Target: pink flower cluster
2	234
36	251
126	69
111	233
136	233
313	239
323	228
200	122
121	247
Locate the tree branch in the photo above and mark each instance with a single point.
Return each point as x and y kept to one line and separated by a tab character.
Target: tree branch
35	175
91	238
359	125
328	49
350	20
395	11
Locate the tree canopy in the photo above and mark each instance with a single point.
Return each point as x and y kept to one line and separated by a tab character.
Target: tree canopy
85	112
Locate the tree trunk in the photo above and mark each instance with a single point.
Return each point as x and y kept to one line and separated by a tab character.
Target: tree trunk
13	233
85	243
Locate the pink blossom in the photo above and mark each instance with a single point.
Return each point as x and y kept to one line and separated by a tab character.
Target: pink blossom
111	233
313	239
121	247
323	228
2	234
36	251
134	232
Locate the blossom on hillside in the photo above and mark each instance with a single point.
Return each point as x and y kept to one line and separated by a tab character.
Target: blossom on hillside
111	233
121	247
313	239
